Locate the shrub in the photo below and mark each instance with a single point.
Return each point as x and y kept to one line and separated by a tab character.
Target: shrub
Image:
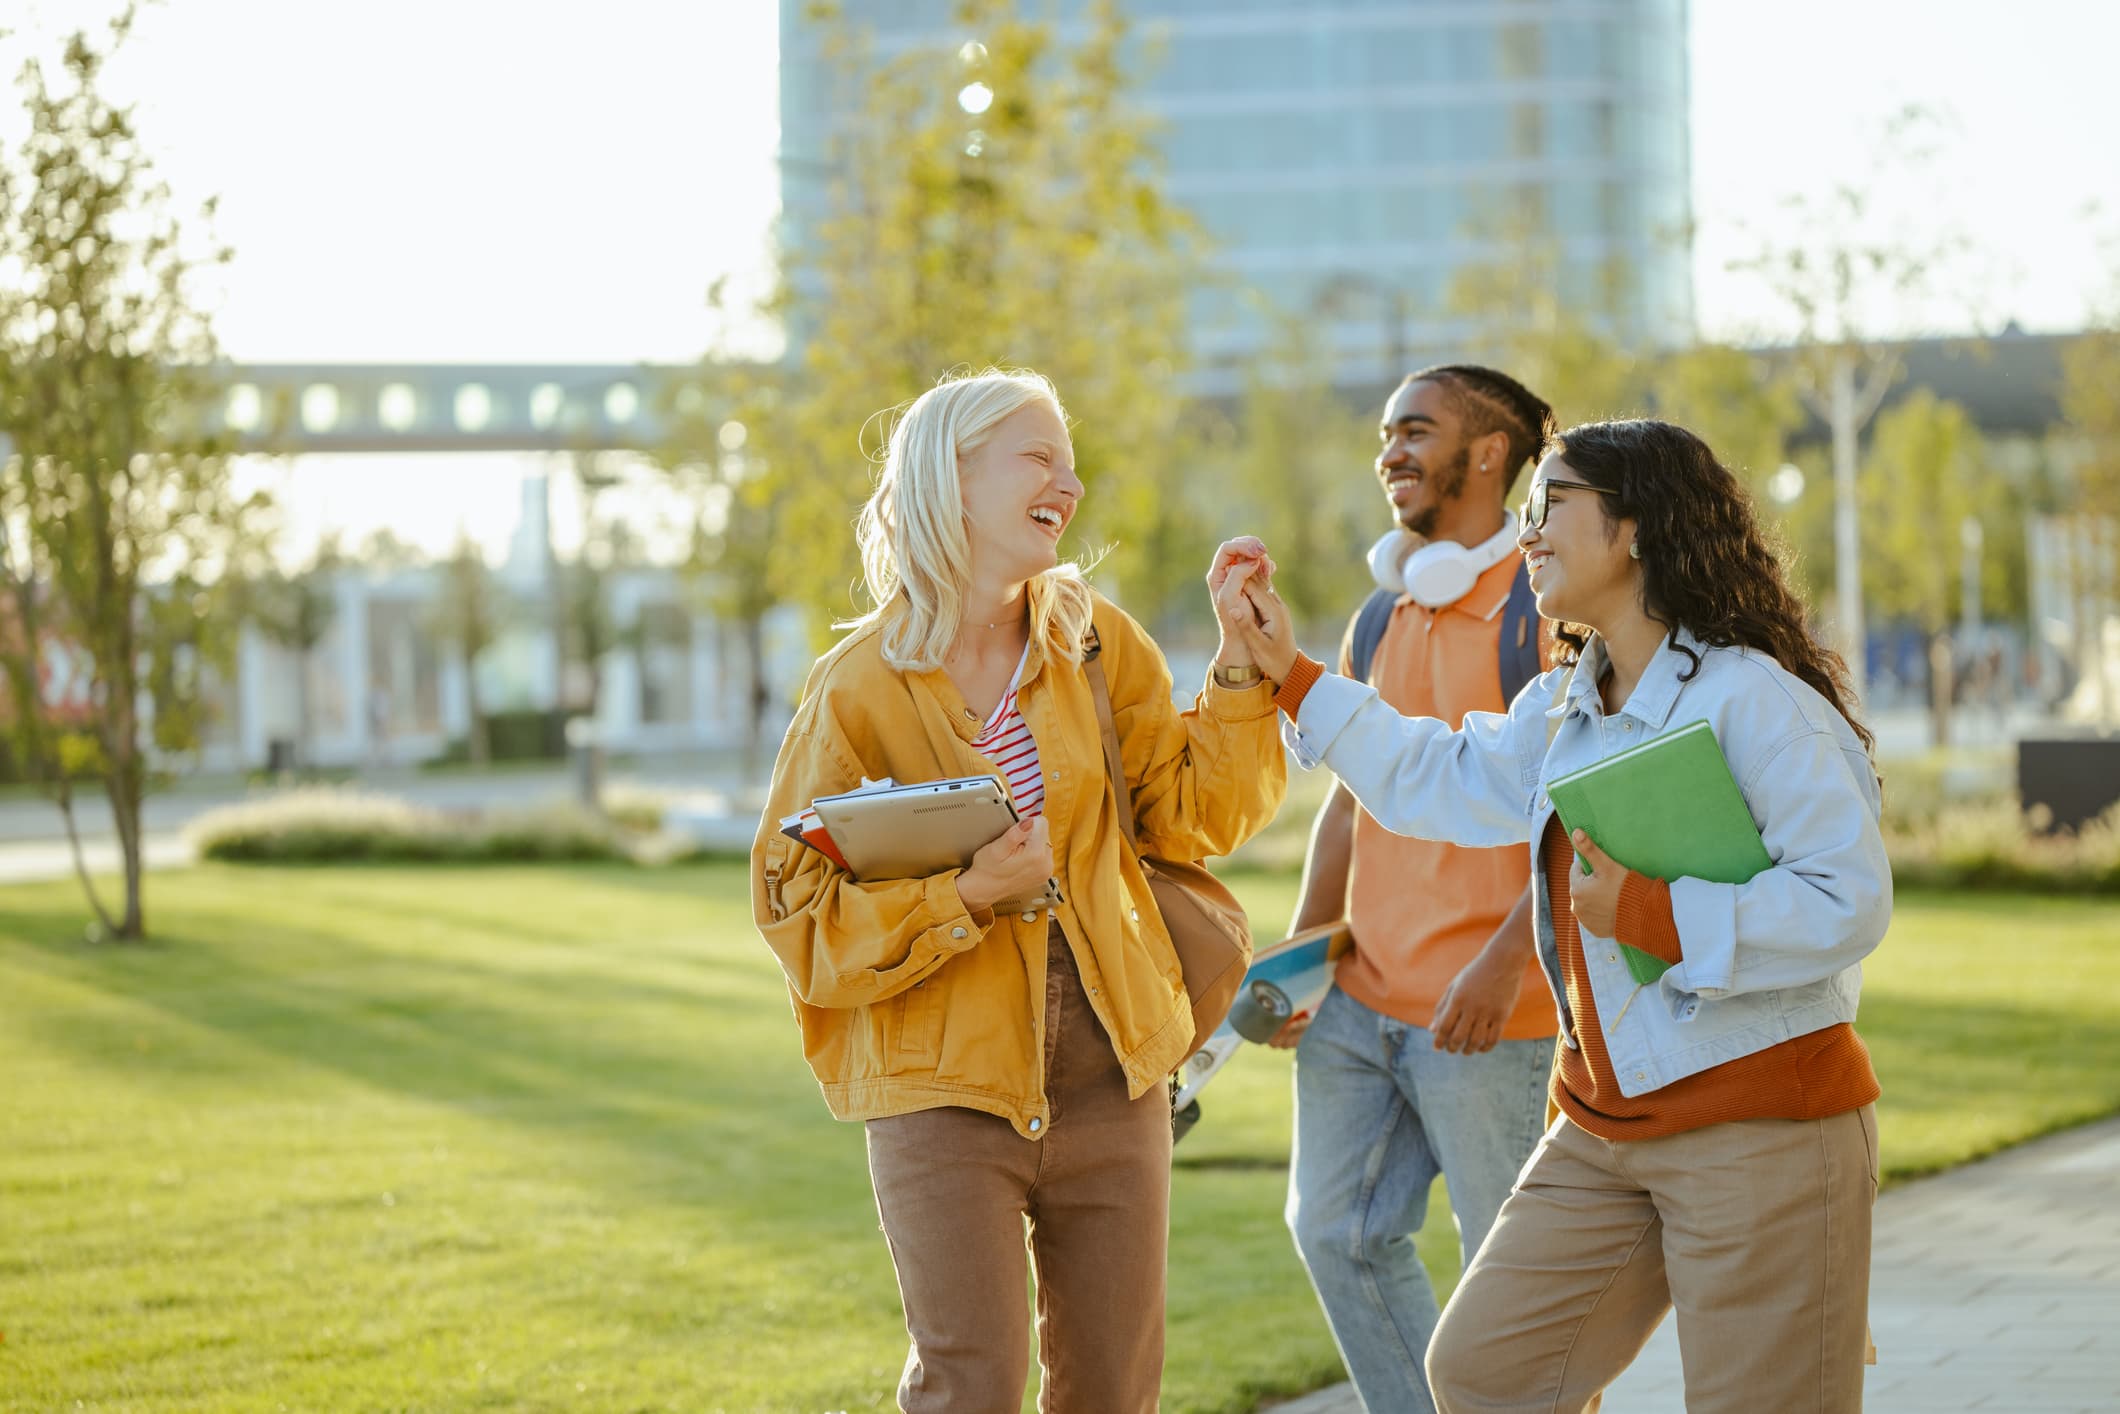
324	826
1992	846
518	734
635	807
561	831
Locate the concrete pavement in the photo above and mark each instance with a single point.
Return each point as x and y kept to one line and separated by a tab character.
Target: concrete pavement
704	801
1995	1287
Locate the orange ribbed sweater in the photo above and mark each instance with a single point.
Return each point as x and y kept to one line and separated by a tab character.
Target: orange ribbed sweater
1806	1077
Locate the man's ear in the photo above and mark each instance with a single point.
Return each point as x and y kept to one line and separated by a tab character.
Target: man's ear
1491	454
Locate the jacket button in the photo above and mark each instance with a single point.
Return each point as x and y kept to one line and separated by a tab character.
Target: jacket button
1641	1075
1031	917
1134	913
1036	1125
1612	957
956	932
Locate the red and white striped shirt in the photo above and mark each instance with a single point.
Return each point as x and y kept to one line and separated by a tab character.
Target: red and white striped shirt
1006	741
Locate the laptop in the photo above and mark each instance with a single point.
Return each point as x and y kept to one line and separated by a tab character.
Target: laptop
910	832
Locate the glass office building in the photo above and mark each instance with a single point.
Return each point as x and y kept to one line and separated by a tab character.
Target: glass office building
1350	157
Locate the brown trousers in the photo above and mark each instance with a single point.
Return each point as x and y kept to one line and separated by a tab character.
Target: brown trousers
955	1188
1758	1231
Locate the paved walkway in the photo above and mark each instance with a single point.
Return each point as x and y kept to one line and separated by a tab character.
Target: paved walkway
703	803
24	861
1995	1287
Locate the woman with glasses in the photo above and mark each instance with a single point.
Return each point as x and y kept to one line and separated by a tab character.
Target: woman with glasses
1715	1148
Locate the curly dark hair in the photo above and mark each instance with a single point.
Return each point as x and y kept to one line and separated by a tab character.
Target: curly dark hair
1707	565
1488	400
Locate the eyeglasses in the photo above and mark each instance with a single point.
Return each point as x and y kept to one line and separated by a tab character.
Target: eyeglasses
1536	503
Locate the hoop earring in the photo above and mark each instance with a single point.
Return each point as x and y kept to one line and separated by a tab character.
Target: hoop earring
1634	551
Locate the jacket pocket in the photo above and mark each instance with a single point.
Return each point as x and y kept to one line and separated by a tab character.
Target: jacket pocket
919	1009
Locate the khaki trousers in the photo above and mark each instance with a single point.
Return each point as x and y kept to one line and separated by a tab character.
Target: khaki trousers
1757	1231
956	1189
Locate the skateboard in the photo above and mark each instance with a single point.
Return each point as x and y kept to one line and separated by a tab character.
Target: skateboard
1284	981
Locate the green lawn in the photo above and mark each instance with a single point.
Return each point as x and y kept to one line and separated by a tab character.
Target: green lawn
530	1139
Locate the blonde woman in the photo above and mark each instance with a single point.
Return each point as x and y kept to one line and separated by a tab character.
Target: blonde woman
1009	1066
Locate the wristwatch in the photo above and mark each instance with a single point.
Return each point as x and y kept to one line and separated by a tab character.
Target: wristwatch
1245	676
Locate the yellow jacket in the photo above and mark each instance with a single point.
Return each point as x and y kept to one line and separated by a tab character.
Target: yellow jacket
905	1000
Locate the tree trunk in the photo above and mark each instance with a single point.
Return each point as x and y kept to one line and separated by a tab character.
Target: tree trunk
123	786
1942	683
755	694
481	743
123	780
1845	424
301	712
65	801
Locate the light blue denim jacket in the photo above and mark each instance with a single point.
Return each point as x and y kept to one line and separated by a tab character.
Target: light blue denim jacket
1763	961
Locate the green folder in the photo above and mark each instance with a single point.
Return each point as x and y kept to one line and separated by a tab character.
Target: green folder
1668	809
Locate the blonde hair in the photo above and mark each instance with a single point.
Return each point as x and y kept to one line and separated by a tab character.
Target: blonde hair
915	552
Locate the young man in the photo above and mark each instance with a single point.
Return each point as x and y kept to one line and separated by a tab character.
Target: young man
1432	1052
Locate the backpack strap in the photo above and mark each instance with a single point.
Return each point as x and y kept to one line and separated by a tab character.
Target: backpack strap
1520	658
1370	621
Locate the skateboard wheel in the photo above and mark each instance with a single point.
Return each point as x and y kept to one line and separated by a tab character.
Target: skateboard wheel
1259	1011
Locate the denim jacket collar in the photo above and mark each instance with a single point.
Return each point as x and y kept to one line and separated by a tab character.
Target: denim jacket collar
1661	682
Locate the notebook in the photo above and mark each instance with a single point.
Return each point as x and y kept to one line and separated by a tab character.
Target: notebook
1669	809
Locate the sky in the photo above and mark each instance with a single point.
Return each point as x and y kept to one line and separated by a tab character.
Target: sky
471	180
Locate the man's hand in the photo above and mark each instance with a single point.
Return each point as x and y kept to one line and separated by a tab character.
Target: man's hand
1593	897
1291	1032
1477	1003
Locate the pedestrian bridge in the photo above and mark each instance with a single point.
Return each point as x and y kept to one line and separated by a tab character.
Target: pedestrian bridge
290	408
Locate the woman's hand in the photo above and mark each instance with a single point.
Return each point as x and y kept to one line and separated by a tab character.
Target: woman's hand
1593	895
1015	864
1260	624
1244	549
1236	561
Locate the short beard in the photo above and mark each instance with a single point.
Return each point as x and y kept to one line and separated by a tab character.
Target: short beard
1449	482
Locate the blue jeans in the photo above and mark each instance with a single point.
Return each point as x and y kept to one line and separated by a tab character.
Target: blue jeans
1379	1113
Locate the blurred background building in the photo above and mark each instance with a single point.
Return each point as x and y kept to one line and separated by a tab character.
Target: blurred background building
1350	160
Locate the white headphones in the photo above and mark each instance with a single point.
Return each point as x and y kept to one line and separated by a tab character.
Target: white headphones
1442	571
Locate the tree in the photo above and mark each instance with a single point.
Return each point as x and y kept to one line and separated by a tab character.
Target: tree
995	204
588	629
297	612
1921	483
1300	462
738	558
1738	404
1847	274
2090	405
121	535
1536	322
468	617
